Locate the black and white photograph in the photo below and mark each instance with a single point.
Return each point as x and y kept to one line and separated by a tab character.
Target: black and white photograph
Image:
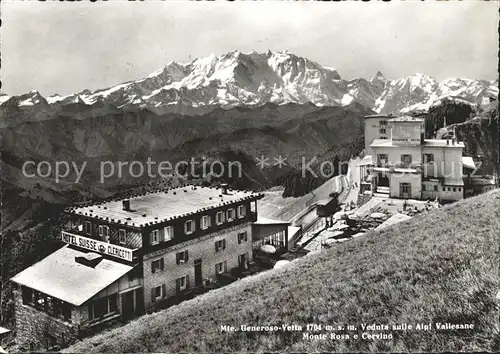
249	176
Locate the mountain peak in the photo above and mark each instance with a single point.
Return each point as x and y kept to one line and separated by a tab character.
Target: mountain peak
379	75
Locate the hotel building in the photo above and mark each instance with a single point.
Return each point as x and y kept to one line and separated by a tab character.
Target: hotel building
123	257
401	163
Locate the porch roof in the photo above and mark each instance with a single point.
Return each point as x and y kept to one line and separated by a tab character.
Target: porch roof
468	162
367	160
60	276
266	221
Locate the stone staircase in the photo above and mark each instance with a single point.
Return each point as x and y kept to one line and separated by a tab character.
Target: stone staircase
382	192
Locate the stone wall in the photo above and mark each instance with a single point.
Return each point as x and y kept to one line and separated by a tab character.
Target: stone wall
36	329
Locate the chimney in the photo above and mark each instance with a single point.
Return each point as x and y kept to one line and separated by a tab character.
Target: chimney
126	204
224	187
447	142
89	259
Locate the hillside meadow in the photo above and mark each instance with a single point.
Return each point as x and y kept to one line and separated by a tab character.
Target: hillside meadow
437	267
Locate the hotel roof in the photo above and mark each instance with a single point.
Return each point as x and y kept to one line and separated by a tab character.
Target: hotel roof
60	276
163	205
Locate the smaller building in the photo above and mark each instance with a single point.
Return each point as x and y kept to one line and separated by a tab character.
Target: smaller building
271	232
405	165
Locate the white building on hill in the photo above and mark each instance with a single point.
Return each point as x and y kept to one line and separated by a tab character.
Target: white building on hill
401	163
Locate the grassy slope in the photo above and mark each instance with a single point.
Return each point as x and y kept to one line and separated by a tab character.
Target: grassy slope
441	266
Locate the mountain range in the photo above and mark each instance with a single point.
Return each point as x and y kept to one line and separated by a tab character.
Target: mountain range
236	79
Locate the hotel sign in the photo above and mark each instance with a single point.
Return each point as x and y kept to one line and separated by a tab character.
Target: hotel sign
97	246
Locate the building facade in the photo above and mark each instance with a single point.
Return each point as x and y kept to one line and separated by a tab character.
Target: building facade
406	165
123	257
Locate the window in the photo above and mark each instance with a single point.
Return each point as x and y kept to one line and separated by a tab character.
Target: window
382	159
220	267
383	122
168	233
454	189
241	211
428	158
158	292
277	239
103	307
459	189
220	245
435	188
219	218
39	300
182	283
88	227
205	222
242	236
243	259
382	131
406	160
158	264
182	257
189	227
405	188
230	215
104	232
122	235
27	294
154	237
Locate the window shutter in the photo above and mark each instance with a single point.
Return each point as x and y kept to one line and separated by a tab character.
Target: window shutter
162	264
177	285
177	258
100	230
152	266
187	255
225	266
239	238
162	235
187	281
224	244
163	291
153	295
246	236
150	238
216	246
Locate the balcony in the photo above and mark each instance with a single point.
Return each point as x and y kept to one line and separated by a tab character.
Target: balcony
399	167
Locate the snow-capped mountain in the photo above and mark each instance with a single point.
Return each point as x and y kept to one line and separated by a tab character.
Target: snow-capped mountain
238	79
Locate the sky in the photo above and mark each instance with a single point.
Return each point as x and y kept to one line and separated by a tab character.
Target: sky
66	47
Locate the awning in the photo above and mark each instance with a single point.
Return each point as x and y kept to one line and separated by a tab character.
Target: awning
60	276
468	162
367	160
